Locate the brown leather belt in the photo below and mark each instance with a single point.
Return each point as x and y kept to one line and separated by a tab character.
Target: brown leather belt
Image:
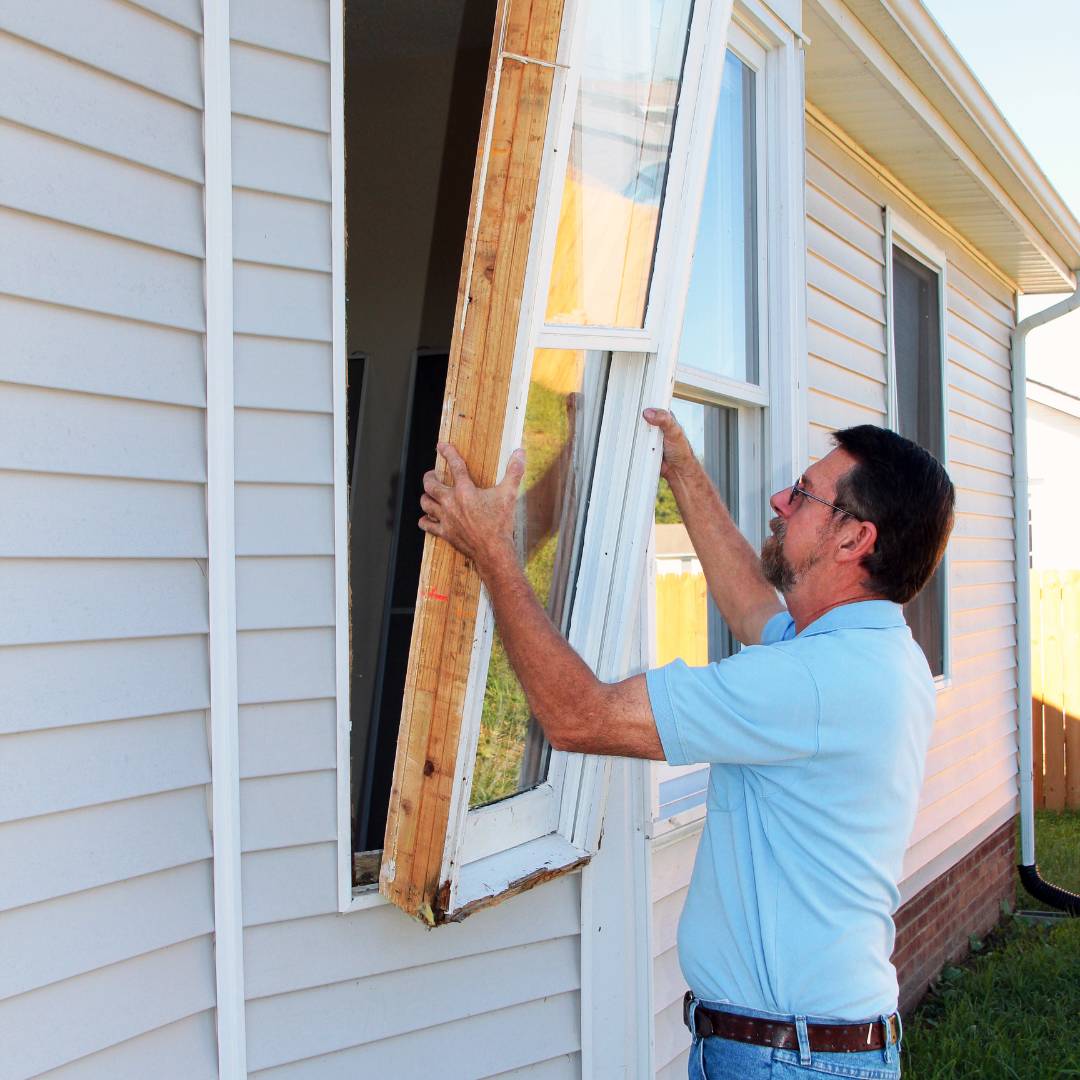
823	1038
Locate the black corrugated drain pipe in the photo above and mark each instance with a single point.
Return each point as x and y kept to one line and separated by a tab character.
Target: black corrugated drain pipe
1056	897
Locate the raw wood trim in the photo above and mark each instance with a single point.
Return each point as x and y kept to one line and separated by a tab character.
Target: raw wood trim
505	183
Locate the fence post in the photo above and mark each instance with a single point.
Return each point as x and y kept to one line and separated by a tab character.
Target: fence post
1053	692
1071	661
1036	690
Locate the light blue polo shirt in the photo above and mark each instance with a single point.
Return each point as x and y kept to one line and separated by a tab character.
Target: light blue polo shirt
817	743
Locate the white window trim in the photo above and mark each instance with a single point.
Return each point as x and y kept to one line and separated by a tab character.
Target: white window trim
780	403
900	232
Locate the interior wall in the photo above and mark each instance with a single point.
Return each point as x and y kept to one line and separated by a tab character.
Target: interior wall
414	85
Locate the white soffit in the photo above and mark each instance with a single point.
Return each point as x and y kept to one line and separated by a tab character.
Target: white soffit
887	76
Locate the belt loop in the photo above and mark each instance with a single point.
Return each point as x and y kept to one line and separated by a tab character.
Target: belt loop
804	1041
887	1049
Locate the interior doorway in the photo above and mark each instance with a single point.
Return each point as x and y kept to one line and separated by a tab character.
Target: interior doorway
415	76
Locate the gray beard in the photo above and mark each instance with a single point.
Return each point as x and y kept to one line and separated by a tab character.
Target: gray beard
780	572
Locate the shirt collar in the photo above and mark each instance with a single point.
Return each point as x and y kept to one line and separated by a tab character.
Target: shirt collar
864	615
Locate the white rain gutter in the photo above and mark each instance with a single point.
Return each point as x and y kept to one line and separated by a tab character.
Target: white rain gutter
1029	872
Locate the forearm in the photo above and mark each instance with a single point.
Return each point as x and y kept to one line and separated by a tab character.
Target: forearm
731	566
577	711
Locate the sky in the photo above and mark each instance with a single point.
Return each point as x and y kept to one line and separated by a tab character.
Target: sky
1026	54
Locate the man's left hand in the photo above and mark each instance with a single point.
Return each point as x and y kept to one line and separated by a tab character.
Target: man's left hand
479	522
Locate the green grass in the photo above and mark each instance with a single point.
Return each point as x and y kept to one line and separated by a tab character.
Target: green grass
1012	1010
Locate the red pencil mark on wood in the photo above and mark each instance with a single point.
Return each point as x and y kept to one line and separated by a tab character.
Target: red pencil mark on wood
436	595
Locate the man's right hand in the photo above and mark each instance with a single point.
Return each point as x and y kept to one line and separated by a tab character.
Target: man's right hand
678	454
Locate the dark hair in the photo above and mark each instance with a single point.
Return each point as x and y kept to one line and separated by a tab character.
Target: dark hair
905	492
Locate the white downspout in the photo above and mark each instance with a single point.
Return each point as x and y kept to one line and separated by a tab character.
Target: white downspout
1023	559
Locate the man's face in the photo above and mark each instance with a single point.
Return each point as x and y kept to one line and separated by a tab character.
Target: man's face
803	530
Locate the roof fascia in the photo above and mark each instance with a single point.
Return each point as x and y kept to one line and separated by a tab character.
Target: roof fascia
850	30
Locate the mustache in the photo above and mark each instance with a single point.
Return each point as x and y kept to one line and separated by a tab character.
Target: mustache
778	527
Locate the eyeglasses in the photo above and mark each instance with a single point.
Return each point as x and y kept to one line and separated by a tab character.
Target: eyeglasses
796	490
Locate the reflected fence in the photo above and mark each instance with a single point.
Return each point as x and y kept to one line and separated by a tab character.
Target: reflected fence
1055	687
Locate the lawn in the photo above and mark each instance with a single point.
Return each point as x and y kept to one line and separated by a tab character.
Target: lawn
1012	1011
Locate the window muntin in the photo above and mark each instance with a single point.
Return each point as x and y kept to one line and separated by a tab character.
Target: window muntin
720	327
562	424
920	416
618	162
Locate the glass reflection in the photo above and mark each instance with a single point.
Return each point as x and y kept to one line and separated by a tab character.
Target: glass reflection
720	326
617	172
562	426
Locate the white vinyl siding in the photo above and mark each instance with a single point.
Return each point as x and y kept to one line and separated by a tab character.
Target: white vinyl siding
106	904
672	864
971	773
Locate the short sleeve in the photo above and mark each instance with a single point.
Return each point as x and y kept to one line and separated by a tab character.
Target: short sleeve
758	707
781	627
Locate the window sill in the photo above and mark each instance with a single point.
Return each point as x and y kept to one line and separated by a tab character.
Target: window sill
364	897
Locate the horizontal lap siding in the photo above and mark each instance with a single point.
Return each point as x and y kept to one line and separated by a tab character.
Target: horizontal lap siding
971	764
330	995
672	864
106	903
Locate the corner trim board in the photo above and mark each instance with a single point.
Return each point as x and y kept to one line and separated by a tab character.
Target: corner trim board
221	543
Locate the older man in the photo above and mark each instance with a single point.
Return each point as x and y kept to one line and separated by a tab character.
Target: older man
816	732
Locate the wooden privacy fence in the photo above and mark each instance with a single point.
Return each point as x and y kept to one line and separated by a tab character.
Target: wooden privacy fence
682	619
1055	687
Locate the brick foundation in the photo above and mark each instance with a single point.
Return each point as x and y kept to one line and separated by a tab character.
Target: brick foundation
932	927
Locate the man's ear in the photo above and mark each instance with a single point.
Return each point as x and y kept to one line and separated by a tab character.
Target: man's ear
855	546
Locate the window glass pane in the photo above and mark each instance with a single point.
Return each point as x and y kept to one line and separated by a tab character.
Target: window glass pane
562	425
688	624
720	326
920	417
617	172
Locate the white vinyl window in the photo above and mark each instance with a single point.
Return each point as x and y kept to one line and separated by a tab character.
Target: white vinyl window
730	379
918	405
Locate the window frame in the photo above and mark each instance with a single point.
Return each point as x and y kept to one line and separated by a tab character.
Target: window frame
899	232
773	414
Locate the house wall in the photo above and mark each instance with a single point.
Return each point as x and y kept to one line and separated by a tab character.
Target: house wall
970	785
106	903
1053	444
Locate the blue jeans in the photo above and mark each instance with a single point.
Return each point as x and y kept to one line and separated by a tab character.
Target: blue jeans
723	1059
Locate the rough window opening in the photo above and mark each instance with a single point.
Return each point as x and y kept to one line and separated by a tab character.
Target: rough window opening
415	74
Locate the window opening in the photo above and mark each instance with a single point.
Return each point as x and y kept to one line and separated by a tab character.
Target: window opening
921	417
720	327
617	170
688	624
415	77
563	412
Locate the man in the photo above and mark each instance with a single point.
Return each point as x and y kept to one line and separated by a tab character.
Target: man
816	733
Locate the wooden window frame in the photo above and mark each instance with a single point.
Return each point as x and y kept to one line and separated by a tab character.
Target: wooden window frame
900	232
